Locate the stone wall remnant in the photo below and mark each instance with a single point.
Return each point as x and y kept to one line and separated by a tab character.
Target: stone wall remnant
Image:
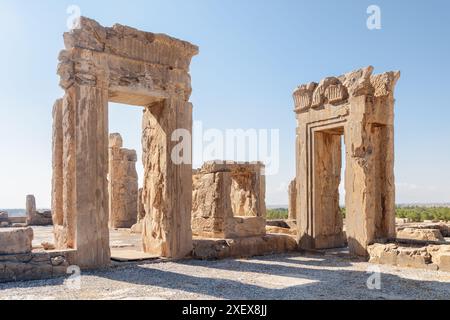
431	257
229	200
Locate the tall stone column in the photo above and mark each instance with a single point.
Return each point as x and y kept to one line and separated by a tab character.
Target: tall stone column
167	191
90	178
303	186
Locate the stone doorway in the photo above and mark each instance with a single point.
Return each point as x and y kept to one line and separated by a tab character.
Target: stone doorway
359	106
328	226
123	65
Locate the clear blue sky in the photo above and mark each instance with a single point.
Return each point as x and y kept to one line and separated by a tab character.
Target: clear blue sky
252	55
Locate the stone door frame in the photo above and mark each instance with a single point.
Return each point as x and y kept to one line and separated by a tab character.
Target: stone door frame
124	65
359	106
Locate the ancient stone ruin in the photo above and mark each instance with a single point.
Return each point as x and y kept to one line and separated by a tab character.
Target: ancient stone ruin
229	200
35	217
123	184
123	65
360	107
219	210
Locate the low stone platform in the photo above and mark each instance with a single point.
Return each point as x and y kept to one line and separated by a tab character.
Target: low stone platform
129	255
205	248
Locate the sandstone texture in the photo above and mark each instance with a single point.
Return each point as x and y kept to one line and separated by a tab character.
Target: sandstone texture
34	217
292	209
243	247
274	229
33	266
123	184
228	200
420	234
137	227
124	65
442	227
15	240
433	257
360	107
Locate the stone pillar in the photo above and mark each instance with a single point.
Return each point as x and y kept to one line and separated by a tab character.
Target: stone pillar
123	184
57	165
292	191
167	193
90	177
30	208
369	182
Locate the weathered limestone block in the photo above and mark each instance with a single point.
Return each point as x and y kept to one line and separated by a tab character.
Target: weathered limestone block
413	257
432	257
420	234
383	253
440	255
16	240
3	215
360	107
292	211
36	265
243	247
228	200
245	227
123	184
444	228
275	229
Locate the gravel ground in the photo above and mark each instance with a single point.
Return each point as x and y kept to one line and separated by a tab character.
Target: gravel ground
288	276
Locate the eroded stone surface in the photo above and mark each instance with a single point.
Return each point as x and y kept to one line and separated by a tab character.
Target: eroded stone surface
359	106
123	184
15	240
292	191
228	200
433	257
124	65
420	234
243	247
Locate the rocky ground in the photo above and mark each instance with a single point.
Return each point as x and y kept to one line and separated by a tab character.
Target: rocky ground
289	276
